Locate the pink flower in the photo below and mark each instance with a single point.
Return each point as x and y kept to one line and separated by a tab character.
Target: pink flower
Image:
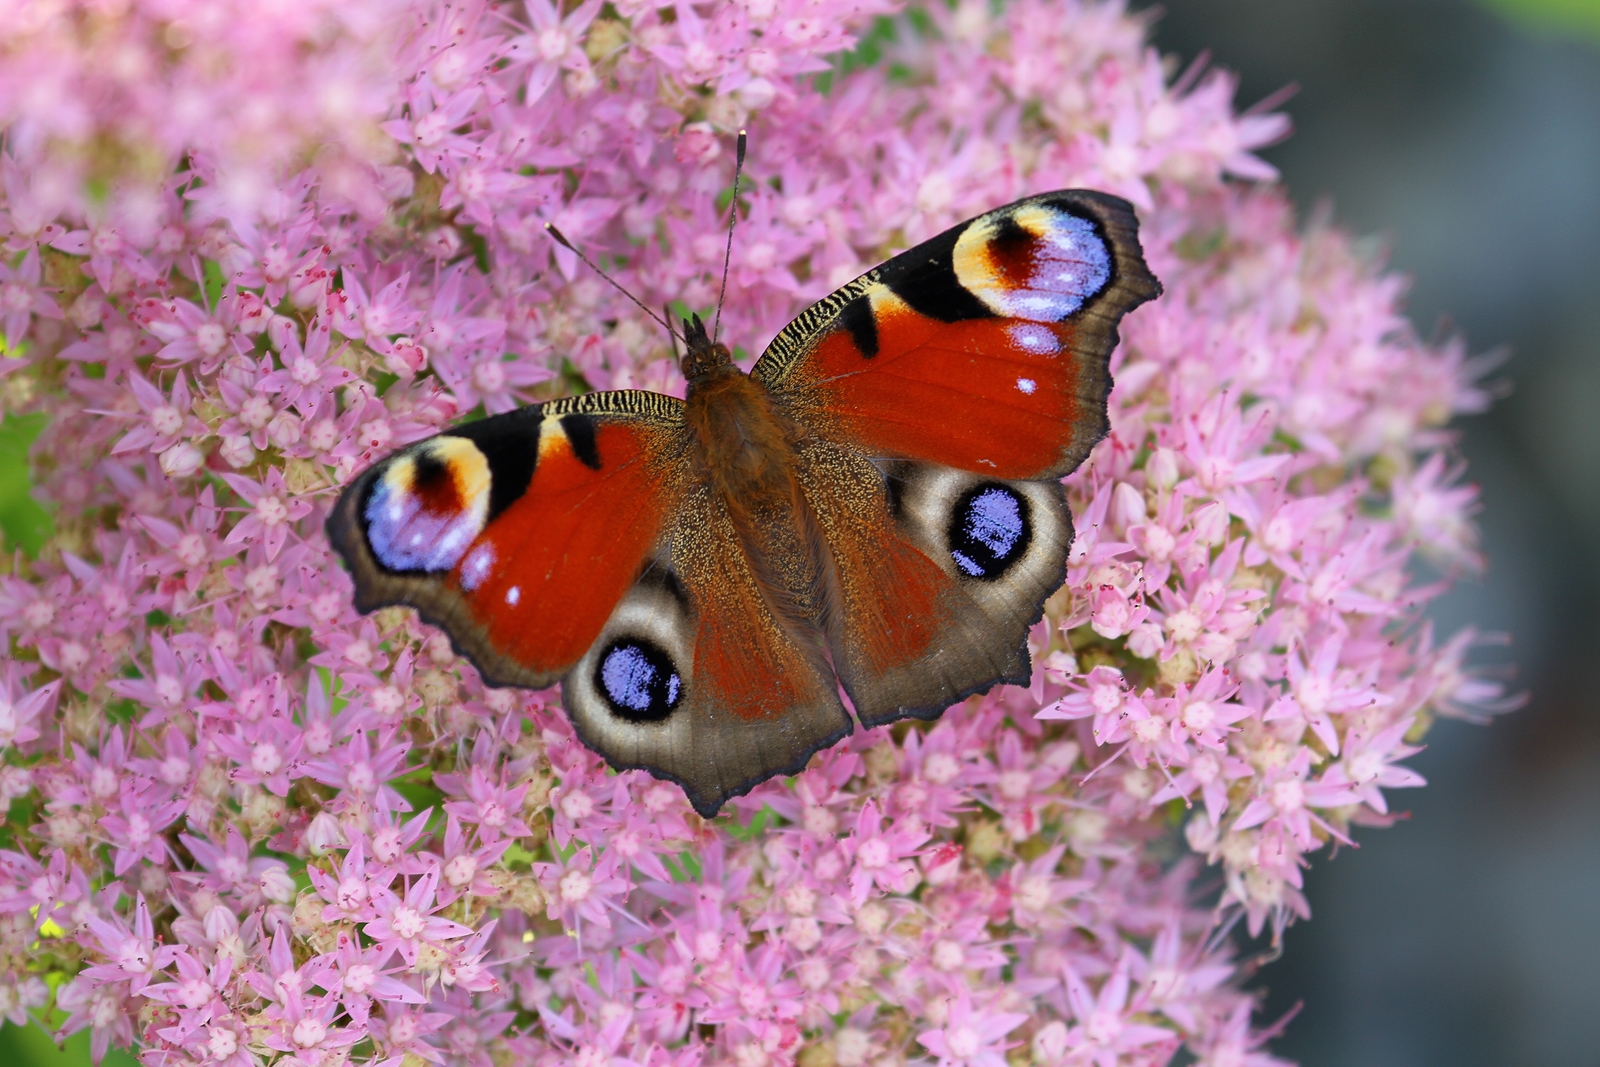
359	977
1104	1032
1287	795
20	709
136	831
21	298
347	890
971	1036
408	923
493	809
581	888
271	515
882	856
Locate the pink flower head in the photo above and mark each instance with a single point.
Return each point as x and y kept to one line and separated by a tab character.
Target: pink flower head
883	855
319	237
1104	1031
409	922
971	1036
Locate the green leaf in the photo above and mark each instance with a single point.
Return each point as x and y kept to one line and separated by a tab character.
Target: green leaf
23	520
868	51
691	866
214	282
418	794
121	711
476	243
382	380
573	378
517	858
757	825
29	1046
681	311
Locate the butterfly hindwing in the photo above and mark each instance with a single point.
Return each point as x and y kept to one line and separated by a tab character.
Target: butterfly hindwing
983	349
697	679
938	574
517	534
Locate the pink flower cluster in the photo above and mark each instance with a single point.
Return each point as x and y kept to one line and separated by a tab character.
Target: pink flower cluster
250	248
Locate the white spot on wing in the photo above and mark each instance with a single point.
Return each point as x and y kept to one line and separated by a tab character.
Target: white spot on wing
1035	337
477	566
1027	385
513	595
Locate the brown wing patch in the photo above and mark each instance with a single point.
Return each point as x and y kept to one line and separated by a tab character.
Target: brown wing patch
745	697
938	575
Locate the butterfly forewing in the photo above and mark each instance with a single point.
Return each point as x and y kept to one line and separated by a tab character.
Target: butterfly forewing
983	349
517	534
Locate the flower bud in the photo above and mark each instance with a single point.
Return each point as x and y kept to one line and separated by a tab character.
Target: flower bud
698	144
1201	833
284	429
1146	640
87	310
276	884
1211	524
324	835
236	451
1127	507
941	864
1162	468
253	314
182	460
281	332
220	922
756	94
1050	1043
405	357
443	242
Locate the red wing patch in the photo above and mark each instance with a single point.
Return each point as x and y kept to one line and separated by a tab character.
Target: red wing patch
542	578
996	396
984	349
519	534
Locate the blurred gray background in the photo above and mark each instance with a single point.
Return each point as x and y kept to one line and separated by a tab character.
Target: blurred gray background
1470	934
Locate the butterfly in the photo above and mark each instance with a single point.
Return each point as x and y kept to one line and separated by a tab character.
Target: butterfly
876	506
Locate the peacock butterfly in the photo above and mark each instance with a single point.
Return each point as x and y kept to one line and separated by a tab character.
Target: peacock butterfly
876	506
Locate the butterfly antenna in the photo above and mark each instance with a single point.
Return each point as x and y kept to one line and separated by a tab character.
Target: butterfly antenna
561	239
733	217
667	308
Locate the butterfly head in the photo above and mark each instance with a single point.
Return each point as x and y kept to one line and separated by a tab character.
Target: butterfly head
705	358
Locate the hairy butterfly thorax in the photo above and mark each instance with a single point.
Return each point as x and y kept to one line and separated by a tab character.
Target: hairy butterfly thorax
748	451
876	507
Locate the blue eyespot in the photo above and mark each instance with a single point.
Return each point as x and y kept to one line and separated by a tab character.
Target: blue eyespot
989	531
638	680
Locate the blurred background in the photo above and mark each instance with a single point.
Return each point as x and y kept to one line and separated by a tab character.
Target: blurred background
1466	137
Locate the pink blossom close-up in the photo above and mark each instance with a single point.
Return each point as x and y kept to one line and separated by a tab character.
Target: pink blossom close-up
249	250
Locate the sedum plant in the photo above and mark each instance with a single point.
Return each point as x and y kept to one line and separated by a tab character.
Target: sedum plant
250	248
